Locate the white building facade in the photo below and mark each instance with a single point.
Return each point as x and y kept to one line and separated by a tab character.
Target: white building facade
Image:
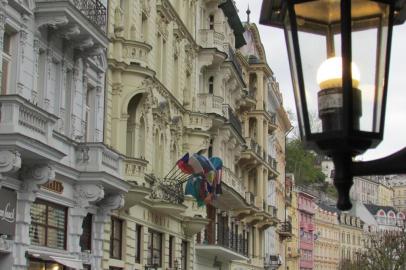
58	181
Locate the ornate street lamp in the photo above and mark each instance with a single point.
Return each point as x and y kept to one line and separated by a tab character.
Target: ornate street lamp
339	53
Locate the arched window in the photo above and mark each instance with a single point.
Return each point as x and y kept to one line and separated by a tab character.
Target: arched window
131	140
141	138
211	22
211	85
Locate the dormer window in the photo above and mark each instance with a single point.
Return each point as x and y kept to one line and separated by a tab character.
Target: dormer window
211	85
211	22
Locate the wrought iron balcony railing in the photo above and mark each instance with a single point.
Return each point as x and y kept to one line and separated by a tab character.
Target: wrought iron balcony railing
94	10
233	59
167	190
221	235
285	227
234	121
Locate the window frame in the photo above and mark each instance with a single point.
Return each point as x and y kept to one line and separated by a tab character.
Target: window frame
7	58
184	254
112	238
151	248
87	242
46	226
138	240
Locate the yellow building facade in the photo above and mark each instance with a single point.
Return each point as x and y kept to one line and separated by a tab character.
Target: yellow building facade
327	238
398	183
351	236
385	194
177	82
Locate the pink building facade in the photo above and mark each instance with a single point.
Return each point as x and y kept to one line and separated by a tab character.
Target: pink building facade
306	208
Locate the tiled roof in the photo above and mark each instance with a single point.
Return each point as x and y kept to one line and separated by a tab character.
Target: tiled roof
373	208
330	208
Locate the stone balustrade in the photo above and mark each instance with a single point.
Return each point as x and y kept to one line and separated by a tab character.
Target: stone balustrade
212	39
18	115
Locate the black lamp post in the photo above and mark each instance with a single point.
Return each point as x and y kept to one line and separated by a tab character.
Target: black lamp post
339	53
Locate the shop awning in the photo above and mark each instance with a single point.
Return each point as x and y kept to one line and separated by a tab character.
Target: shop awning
71	263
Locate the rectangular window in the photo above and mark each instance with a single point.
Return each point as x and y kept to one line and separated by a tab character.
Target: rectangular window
7	61
154	255
87	267
90	109
116	238
48	225
86	237
115	268
171	249
184	254
138	240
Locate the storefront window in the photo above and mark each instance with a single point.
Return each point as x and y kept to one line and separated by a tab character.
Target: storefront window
41	265
154	255
48	225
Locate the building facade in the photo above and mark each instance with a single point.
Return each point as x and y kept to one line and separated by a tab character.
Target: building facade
385	193
327	238
179	81
398	184
351	236
307	210
58	182
266	126
365	190
292	245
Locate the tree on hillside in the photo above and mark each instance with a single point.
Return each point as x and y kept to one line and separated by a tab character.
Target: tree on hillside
384	251
302	163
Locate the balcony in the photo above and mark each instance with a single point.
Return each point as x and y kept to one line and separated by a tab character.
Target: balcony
82	21
96	157
212	39
232	119
21	123
273	164
272	262
166	197
285	229
233	59
196	120
136	53
211	104
219	241
134	173
250	198
271	117
233	196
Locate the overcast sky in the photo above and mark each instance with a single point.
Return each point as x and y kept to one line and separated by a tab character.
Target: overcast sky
275	47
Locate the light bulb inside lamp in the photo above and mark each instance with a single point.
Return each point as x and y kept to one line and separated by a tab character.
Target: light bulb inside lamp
330	73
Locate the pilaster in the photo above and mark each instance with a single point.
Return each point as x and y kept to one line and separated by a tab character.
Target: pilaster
84	195
102	217
32	178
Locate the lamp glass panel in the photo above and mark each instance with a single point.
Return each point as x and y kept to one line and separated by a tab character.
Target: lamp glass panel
318	25
369	47
294	73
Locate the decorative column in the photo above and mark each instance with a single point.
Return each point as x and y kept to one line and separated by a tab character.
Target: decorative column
260	90
84	194
106	206
260	185
32	178
9	162
3	16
